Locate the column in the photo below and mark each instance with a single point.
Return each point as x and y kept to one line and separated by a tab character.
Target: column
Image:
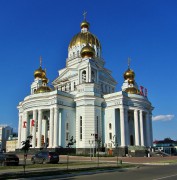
89	73
136	125
51	129
55	140
25	127
122	126
141	128
59	129
151	131
127	134
19	130
148	133
39	128
34	128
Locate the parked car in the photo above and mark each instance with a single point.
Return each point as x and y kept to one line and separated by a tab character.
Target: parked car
45	157
9	159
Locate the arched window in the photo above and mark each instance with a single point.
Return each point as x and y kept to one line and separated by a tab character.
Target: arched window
67	126
131	140
74	85
93	76
81	128
78	53
110	136
84	76
110	126
69	86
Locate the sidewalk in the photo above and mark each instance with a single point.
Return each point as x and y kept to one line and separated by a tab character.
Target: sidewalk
131	160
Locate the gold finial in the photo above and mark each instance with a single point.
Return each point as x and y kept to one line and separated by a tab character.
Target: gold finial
84	14
40	59
129	62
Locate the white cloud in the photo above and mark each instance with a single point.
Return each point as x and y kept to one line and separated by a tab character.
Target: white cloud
167	117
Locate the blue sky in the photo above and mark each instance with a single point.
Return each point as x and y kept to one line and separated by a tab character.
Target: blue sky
144	30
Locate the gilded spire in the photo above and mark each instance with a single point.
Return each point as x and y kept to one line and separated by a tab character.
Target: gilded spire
39	73
129	62
40	59
85	24
84	14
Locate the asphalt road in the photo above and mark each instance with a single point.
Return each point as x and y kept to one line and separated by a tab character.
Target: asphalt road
167	172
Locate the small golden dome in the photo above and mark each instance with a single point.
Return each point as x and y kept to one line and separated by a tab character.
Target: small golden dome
85	24
129	74
43	89
132	90
45	79
39	73
87	51
131	81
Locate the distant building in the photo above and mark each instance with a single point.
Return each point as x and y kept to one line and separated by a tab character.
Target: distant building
167	145
5	132
11	143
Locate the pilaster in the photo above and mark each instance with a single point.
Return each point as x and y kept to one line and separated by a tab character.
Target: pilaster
136	125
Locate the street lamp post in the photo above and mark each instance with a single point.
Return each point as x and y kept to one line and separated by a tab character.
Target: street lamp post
98	144
71	142
115	142
91	142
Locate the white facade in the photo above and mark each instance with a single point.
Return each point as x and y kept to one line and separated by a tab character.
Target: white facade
83	102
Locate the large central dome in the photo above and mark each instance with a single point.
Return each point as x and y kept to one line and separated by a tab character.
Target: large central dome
85	37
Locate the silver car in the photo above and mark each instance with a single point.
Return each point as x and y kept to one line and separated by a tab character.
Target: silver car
45	157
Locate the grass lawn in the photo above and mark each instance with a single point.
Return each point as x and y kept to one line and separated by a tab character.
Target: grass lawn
56	169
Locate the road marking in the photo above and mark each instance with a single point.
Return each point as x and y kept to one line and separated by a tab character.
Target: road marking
165	177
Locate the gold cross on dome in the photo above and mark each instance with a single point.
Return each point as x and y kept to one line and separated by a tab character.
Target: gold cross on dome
129	62
40	59
84	14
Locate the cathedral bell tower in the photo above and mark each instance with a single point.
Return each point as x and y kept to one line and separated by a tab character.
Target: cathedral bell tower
40	81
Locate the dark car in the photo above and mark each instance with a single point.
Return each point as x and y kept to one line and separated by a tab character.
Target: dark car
45	157
9	159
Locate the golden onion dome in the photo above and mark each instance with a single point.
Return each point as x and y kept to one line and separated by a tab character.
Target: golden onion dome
84	38
129	74
43	89
87	51
85	24
39	73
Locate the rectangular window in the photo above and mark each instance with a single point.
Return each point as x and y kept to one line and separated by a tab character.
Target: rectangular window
36	126
97	124
110	136
81	128
67	136
67	126
48	125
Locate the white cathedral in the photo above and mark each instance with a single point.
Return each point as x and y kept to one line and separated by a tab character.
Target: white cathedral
83	104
